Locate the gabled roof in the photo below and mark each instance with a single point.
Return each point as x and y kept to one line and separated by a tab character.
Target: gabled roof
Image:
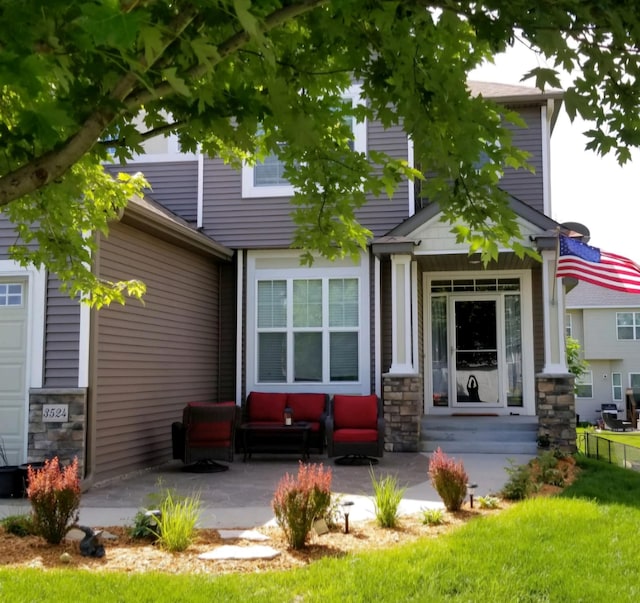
586	295
150	216
512	94
431	210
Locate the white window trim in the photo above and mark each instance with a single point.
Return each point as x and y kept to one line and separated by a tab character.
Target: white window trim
321	269
630	380
568	326
251	191
613	387
633	326
586	379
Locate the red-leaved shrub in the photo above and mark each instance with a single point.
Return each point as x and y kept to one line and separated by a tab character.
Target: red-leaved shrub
54	493
298	502
449	479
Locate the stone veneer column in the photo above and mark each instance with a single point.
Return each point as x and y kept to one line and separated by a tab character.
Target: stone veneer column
402	400
65	440
557	410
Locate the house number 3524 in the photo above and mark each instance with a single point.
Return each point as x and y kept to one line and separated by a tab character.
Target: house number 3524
55	412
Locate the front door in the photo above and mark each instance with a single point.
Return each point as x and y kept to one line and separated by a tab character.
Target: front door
476	367
476	353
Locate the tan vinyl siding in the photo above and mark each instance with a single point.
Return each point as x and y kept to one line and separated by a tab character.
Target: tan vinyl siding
62	336
151	359
174	184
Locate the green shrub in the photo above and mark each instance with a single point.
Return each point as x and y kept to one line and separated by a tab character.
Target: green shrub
519	484
177	521
298	502
55	494
387	496
449	479
18	525
145	525
432	517
488	502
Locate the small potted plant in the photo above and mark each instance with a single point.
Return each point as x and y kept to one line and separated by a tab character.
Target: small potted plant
8	475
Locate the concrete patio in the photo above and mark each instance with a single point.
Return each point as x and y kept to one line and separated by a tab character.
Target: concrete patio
241	497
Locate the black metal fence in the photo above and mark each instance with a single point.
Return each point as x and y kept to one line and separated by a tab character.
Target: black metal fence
594	446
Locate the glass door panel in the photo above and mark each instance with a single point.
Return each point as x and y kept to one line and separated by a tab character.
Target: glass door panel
477	375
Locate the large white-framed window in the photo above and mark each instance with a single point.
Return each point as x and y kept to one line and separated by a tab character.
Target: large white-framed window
616	386
628	325
307	327
266	178
584	385
634	380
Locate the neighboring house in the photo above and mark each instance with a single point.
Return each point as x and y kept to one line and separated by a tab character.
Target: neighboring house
415	320
606	323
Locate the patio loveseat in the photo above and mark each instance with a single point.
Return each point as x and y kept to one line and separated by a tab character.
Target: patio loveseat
263	429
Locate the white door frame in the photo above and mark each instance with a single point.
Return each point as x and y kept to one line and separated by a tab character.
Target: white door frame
526	307
36	287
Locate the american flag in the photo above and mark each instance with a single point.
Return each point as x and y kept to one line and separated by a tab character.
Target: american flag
590	264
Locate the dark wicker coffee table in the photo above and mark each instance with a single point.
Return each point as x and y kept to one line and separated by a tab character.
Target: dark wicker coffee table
260	437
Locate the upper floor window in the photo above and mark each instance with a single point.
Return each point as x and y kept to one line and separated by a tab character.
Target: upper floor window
628	325
266	178
568	327
584	385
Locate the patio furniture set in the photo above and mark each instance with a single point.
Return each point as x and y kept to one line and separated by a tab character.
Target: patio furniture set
350	427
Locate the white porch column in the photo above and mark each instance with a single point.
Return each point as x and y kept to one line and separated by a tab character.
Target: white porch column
555	361
403	313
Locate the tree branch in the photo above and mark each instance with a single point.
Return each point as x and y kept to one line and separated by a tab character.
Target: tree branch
226	49
53	164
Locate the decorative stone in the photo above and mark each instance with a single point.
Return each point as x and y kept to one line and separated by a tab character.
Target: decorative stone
252	535
229	551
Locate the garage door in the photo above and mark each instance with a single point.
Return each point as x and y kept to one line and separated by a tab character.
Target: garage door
13	366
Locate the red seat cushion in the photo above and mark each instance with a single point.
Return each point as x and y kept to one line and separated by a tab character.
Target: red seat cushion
355	435
213	433
266	406
306	407
355	412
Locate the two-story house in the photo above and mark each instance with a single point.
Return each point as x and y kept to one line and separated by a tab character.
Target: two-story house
606	323
230	309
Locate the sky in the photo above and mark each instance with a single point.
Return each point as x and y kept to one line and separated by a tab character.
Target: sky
585	187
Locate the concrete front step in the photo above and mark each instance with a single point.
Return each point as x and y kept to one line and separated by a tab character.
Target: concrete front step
456	447
480	434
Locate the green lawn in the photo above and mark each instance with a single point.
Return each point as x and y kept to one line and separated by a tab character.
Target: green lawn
581	546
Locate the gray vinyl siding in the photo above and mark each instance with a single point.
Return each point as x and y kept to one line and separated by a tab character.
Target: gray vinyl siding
62	337
152	358
7	237
174	184
538	319
524	185
263	223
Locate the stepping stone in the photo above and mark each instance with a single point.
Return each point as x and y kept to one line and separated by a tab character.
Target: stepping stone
244	534
229	551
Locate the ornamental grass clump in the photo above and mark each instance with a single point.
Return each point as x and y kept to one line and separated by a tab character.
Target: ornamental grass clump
387	496
298	502
54	493
176	522
449	479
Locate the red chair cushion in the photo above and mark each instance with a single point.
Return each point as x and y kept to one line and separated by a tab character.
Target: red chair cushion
355	435
213	433
306	407
355	412
266	406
